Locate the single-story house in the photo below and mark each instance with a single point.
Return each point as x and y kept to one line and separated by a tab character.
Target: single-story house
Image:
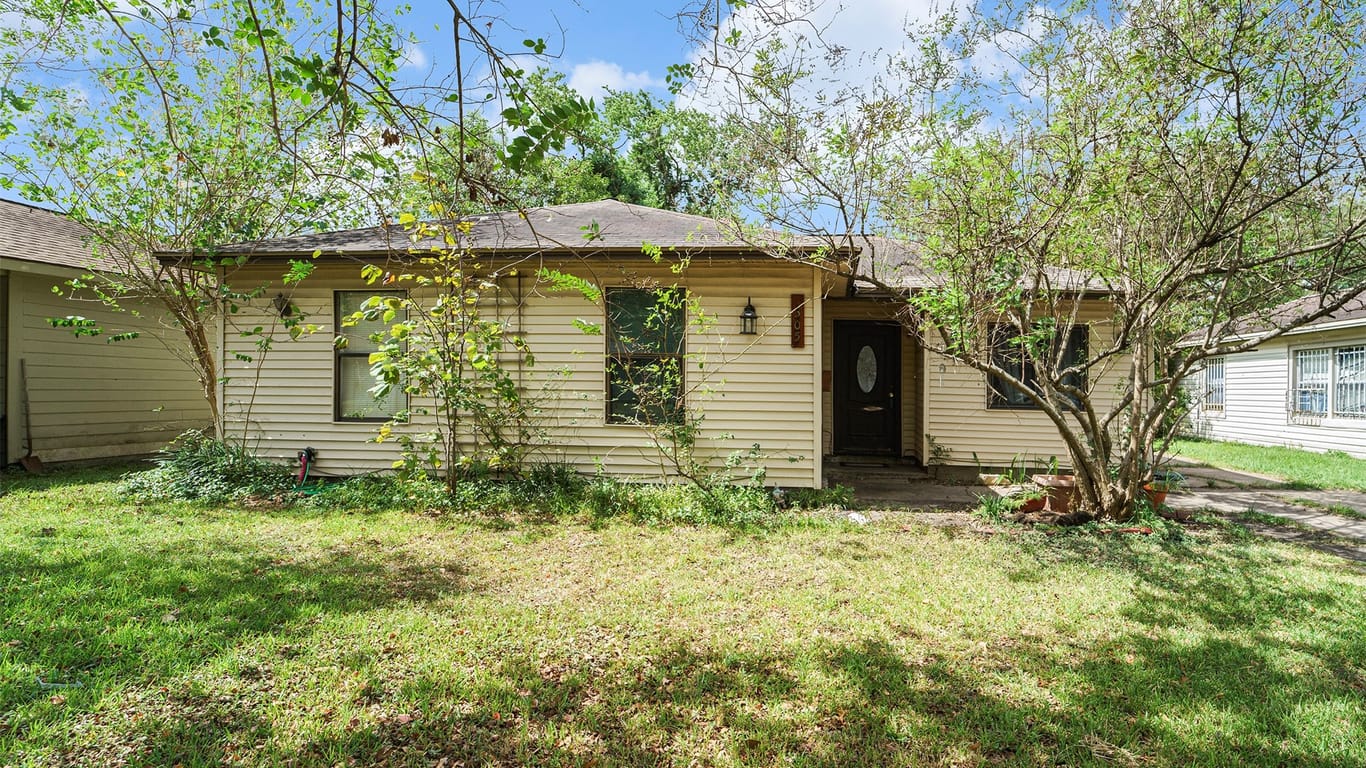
831	370
1304	389
70	398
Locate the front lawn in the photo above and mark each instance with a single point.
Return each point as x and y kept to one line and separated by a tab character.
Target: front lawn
208	636
1301	469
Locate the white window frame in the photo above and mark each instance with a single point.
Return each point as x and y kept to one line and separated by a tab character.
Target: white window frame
1208	402
339	415
1330	368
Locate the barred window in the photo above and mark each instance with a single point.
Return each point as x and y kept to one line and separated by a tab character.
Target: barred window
1214	384
1312	370
1349	382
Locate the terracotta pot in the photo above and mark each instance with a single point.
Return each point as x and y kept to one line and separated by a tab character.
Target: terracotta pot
1061	490
1155	497
1032	505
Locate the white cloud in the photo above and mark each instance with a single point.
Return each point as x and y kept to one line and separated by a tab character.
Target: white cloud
414	58
842	44
596	77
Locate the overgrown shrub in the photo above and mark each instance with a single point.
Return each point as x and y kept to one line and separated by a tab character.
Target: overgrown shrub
199	467
839	496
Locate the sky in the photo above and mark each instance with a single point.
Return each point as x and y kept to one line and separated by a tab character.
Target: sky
626	44
601	43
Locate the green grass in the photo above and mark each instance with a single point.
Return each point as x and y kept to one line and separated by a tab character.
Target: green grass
1300	469
1334	509
221	636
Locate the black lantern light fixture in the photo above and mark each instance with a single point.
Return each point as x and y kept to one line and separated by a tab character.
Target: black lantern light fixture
282	305
749	319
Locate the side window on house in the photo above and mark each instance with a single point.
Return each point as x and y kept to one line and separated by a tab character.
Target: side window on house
1007	352
645	332
1349	391
1312	368
1214	384
351	396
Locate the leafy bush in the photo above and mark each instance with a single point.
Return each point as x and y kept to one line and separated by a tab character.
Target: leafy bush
374	493
199	467
839	496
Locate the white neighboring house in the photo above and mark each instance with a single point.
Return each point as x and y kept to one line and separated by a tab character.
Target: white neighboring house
86	398
1306	389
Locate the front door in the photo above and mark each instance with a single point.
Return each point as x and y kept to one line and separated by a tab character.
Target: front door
867	387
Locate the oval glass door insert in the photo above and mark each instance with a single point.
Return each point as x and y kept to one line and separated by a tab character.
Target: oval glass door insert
865	368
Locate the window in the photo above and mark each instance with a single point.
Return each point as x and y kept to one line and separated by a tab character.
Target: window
1214	384
645	331
1312	371
1007	352
1329	382
352	399
1349	382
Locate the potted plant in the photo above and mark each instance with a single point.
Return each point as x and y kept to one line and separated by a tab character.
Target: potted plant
1163	482
1029	499
1060	489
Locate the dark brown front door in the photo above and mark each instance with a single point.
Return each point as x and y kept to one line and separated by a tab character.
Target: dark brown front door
867	388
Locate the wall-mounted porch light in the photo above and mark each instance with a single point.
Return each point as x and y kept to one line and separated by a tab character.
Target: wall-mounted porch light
749	319
282	305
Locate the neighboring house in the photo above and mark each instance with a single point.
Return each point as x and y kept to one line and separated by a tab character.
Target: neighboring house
1305	389
86	398
831	371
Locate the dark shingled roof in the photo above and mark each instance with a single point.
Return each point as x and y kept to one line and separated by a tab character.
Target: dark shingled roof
900	264
29	233
620	227
1354	309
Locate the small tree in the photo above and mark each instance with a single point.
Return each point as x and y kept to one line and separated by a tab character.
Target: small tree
1188	166
450	358
198	125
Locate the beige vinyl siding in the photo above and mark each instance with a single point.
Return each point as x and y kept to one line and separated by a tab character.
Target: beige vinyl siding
90	398
756	388
1257	395
969	433
879	310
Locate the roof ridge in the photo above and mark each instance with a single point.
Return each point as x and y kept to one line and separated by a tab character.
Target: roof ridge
35	207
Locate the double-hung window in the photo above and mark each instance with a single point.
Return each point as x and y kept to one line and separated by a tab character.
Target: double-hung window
645	340
352	399
1214	385
1008	353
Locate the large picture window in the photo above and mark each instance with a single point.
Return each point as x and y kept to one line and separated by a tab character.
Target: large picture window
352	399
1008	353
645	332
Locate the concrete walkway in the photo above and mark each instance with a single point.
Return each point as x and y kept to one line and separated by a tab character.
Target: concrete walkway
1310	512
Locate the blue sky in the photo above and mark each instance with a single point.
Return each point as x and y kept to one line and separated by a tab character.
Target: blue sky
616	43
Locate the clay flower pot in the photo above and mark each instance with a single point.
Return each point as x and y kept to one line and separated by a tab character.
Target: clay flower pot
1061	490
1156	494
